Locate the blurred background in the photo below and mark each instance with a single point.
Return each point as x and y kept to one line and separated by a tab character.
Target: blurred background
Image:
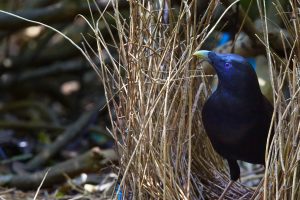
52	104
53	110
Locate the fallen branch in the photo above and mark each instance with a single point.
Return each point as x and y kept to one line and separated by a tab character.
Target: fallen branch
28	126
91	161
56	13
41	107
71	132
74	65
62	11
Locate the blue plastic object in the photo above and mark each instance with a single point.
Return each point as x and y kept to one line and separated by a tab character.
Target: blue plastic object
225	37
119	192
2	154
252	61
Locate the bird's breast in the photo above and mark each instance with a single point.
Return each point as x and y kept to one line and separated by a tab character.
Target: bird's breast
229	120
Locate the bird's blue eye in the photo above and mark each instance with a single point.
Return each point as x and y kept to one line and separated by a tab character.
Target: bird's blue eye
228	65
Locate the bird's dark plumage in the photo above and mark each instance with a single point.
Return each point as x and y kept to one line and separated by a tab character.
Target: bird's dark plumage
236	116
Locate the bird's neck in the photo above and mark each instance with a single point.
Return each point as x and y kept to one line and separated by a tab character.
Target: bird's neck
240	89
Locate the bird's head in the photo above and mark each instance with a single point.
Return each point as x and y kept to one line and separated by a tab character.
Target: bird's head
233	71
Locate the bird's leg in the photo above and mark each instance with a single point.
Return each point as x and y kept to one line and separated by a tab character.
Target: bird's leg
225	190
234	169
234	175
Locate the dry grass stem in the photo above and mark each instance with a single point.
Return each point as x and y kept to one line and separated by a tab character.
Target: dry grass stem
155	91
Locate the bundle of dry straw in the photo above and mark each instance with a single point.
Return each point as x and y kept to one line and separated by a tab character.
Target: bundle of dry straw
155	92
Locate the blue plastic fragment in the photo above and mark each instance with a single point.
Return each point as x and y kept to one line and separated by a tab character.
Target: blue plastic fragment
225	37
119	192
2	154
252	61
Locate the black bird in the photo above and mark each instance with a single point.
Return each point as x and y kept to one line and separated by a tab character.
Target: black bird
236	116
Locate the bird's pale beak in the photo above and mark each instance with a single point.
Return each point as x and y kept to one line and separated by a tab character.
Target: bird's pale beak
203	54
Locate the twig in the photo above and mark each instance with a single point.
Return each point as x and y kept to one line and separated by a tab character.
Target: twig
40	186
